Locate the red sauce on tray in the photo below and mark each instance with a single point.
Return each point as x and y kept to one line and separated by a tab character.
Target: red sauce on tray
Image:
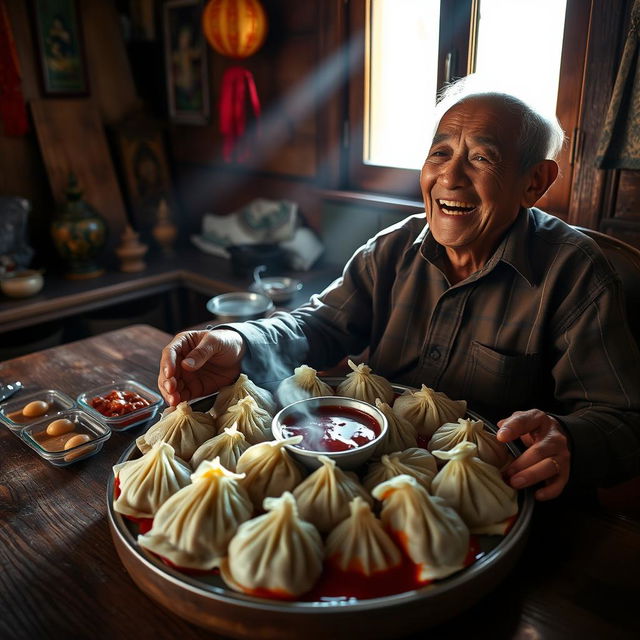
118	403
332	428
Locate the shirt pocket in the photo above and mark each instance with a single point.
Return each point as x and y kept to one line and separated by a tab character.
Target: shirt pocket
500	381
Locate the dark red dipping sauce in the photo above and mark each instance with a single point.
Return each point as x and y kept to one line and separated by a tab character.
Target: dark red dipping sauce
118	403
331	428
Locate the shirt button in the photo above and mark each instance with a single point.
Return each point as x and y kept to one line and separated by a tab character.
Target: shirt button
434	353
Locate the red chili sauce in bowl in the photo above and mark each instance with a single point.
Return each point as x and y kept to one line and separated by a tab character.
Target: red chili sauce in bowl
118	403
331	428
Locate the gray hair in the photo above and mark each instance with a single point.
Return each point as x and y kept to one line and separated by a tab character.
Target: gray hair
541	136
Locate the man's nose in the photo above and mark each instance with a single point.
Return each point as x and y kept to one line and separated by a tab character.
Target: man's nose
453	172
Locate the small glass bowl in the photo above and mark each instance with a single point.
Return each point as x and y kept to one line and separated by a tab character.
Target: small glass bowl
11	411
349	459
35	436
128	420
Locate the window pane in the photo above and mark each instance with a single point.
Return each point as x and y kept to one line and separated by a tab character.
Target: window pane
519	44
402	74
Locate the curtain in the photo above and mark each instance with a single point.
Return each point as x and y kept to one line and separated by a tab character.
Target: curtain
619	145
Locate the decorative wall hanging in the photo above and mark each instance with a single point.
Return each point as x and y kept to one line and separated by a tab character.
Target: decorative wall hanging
235	29
186	62
58	38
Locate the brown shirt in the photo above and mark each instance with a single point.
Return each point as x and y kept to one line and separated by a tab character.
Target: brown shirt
542	324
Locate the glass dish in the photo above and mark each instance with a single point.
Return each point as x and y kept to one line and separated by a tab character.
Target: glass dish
128	420
11	411
51	448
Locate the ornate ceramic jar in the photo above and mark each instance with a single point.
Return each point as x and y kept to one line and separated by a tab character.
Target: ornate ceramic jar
79	233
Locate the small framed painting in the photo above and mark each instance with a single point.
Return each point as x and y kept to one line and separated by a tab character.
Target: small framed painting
186	62
60	48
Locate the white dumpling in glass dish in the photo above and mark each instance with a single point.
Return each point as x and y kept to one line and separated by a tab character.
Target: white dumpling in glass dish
401	434
427	409
360	544
431	533
269	469
490	449
184	429
303	384
241	388
192	529
323	497
415	462
363	384
252	420
476	490
276	555
228	446
145	483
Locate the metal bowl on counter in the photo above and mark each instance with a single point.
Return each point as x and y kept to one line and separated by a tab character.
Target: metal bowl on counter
278	288
239	306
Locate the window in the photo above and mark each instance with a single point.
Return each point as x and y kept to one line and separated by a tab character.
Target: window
411	47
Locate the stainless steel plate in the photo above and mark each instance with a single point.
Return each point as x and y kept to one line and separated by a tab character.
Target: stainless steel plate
240	305
206	601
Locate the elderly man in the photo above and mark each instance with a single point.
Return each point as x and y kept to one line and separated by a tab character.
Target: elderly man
491	301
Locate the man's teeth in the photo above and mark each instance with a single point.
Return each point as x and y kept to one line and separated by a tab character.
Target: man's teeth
456	207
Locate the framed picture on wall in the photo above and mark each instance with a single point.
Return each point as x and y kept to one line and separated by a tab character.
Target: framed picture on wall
60	47
186	62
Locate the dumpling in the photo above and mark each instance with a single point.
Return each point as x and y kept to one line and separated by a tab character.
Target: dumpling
427	409
303	384
147	482
241	388
401	434
415	462
253	421
360	544
323	497
431	533
269	470
184	429
361	384
192	529
276	554
228	446
475	489
489	449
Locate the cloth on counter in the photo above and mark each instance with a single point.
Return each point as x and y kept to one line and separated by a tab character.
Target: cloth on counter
261	222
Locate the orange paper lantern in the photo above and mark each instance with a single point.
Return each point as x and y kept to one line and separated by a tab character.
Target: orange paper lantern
234	28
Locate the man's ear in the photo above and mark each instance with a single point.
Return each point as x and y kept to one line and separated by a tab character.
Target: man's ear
540	178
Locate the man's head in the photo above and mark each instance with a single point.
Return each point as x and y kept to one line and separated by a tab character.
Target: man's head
491	154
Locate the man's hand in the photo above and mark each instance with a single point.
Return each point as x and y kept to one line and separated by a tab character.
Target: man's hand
198	363
547	458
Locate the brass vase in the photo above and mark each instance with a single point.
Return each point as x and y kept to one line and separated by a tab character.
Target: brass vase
79	233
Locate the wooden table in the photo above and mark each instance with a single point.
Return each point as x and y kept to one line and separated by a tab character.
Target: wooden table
579	576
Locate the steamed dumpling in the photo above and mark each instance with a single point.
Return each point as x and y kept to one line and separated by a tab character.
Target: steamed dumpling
475	489
323	497
241	388
253	421
401	434
415	462
184	429
427	409
269	469
277	554
362	384
489	449
228	446
303	384
192	529
360	544
431	533
149	481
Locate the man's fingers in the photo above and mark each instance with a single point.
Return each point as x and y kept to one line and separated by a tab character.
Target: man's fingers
520	423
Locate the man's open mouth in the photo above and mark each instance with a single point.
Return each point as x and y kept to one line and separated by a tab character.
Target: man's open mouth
455	207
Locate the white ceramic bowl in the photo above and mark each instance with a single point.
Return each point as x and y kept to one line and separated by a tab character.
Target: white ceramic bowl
23	284
349	459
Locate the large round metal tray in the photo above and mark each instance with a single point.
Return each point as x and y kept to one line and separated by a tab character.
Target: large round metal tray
209	603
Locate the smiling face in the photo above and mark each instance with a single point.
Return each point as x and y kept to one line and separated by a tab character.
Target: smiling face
471	183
